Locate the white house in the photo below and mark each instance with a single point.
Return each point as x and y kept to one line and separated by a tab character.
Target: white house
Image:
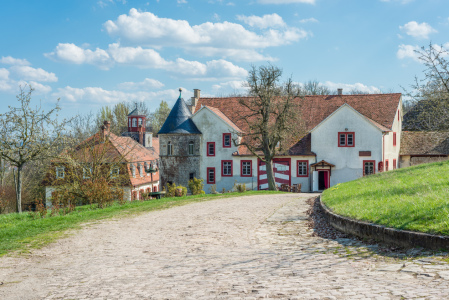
349	136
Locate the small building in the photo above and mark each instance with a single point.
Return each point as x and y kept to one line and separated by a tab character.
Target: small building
419	147
116	157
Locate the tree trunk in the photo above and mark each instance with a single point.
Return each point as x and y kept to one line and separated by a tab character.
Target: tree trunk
270	175
18	185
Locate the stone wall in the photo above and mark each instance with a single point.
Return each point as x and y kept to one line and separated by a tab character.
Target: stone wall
176	168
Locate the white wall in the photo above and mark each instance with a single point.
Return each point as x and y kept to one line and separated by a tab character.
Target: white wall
392	152
304	181
348	163
212	128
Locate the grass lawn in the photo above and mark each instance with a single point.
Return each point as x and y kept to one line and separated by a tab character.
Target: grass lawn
415	198
24	231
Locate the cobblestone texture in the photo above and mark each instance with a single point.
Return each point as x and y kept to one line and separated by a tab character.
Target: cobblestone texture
237	248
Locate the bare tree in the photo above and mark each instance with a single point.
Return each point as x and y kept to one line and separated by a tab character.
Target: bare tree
430	94
314	87
271	115
28	134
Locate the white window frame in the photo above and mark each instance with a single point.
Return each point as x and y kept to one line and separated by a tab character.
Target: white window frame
60	170
115	172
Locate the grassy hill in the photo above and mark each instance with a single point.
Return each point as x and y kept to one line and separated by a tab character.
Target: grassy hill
415	198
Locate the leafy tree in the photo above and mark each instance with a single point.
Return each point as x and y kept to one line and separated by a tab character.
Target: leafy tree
28	134
269	113
430	95
159	116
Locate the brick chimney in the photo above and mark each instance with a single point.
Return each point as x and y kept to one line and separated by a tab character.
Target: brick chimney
340	92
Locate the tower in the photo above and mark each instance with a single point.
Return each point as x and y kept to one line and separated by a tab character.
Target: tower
179	146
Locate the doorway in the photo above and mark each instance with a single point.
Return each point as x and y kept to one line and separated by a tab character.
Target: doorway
323	179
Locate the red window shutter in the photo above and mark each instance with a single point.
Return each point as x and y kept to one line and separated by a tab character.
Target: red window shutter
394	138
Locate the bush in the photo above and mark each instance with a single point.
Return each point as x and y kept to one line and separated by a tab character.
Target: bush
175	191
241	188
213	189
196	186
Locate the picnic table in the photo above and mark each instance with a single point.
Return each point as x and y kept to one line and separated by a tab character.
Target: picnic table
158	195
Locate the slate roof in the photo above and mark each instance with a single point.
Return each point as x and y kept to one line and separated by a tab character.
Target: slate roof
424	143
178	121
136	112
380	109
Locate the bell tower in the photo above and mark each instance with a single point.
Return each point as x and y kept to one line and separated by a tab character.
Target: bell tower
135	119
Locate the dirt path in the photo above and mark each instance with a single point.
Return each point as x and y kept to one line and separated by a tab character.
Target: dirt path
250	247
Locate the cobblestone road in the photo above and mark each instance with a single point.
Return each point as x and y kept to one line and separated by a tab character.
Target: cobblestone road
237	248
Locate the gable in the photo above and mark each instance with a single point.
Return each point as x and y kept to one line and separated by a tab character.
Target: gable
216	114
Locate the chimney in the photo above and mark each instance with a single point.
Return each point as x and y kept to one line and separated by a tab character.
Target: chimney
107	124
194	99
340	92
148	140
141	135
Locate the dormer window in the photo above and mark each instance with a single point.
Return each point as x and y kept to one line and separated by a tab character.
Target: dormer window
169	148
133	170
134	122
115	172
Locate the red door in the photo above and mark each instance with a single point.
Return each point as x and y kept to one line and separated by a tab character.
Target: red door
281	169
323	179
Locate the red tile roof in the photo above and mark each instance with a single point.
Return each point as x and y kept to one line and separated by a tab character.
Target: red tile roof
380	109
424	143
220	114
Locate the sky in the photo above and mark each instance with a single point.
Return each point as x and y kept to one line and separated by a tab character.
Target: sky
89	54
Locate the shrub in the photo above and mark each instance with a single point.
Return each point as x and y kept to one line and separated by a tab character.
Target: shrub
196	186
241	188
171	188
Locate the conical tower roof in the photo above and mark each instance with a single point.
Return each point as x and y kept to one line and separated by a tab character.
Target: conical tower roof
178	121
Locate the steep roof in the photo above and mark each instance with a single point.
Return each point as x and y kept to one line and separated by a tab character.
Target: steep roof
136	112
381	108
178	121
424	143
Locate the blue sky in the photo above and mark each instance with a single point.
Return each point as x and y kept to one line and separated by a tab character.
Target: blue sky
95	53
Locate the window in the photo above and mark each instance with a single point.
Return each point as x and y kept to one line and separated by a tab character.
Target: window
211	175
191	148
246	168
115	172
155	188
60	172
140	121
134	122
394	164
346	139
226	168
169	148
368	167
394	138
386	165
303	168
191	176
129	122
133	170
139	165
211	149
226	140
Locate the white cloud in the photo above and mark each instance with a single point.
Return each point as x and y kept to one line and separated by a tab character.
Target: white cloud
267	21
100	96
4	74
8	60
146	84
30	73
229	88
285	1
420	31
248	55
69	52
408	51
309	20
148	29
181	1
348	87
38	87
144	58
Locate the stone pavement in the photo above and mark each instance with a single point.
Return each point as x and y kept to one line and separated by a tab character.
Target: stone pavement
255	247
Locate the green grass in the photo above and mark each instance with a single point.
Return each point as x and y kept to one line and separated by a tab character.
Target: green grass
24	231
415	198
